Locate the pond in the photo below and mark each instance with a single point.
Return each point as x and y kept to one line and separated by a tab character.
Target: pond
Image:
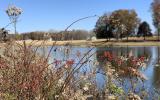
95	60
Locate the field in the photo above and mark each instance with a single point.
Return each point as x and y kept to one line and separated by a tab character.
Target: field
132	41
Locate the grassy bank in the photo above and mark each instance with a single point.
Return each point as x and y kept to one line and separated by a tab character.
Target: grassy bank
99	42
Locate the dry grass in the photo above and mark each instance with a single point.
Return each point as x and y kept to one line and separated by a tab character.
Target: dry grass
25	75
133	41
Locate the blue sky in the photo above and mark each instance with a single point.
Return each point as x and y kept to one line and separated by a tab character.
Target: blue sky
44	15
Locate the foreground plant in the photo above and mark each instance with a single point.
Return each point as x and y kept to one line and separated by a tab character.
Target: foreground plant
24	74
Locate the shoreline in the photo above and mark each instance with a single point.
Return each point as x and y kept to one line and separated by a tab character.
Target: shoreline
100	42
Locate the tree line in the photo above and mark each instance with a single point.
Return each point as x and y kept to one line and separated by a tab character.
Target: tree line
125	22
54	35
121	23
117	24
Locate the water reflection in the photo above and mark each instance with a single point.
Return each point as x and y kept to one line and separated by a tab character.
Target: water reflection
156	77
152	54
156	70
152	70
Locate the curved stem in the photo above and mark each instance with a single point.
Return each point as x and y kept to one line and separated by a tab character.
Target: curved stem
76	22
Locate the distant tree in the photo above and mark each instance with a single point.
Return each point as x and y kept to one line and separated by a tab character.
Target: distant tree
128	21
144	30
120	23
155	6
14	12
3	34
104	28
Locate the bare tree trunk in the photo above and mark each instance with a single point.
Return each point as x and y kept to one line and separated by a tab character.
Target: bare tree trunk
158	34
121	35
158	56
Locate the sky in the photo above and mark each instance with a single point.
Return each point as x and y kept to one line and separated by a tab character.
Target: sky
45	15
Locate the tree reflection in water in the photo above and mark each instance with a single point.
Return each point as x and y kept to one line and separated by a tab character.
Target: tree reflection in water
156	72
151	55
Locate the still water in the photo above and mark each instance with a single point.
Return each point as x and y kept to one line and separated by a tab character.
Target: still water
151	71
